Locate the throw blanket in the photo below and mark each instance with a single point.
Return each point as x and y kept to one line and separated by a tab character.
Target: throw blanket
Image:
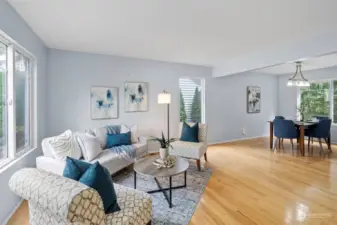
127	152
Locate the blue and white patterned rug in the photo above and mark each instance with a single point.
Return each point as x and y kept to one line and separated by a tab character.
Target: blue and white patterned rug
184	200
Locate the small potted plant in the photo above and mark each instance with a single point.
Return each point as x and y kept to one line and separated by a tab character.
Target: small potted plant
164	145
302	109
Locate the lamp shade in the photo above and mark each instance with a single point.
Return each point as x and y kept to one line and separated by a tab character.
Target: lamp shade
164	98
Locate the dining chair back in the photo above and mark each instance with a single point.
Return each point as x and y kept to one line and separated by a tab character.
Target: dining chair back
321	130
322	117
279	117
284	129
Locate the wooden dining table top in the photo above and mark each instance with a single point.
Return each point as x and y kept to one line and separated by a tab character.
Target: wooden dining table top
300	123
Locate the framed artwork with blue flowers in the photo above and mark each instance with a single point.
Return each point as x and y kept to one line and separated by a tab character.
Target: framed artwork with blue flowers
104	102
135	96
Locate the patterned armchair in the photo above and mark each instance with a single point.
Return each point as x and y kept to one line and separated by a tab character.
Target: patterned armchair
191	150
56	200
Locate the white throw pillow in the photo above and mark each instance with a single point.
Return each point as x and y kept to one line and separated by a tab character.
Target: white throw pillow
133	130
65	145
90	145
101	134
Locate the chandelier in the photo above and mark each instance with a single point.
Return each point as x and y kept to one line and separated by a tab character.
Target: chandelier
298	79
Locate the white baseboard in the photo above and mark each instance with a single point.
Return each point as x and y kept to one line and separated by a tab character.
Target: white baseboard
233	140
12	213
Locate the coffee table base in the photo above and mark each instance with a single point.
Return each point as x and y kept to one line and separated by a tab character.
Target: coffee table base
163	190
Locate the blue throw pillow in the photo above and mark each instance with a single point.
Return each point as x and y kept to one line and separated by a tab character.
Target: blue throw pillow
113	140
190	134
98	178
75	168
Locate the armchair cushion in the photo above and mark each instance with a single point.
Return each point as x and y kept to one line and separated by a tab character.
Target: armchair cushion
193	150
190	133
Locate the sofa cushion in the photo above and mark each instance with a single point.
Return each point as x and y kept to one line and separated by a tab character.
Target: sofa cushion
118	139
190	133
133	130
90	145
98	178
64	145
136	207
101	133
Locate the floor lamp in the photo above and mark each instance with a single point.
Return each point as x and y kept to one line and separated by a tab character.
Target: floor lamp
165	98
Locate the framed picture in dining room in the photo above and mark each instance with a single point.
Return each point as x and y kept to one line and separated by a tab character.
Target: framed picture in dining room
135	96
104	103
253	99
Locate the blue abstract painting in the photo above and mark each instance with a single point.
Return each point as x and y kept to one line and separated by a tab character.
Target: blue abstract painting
135	96
104	102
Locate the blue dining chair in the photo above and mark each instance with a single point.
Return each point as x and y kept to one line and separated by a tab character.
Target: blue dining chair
284	129
322	117
321	130
279	117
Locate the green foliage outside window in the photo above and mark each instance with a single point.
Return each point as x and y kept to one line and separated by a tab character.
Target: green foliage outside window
196	106
183	115
315	100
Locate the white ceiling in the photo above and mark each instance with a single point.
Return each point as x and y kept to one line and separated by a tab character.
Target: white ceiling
187	31
315	63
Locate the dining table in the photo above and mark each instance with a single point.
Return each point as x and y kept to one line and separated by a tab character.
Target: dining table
301	125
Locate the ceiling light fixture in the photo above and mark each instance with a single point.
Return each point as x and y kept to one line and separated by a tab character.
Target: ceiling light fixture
298	79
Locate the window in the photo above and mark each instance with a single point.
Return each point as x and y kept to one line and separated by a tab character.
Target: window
3	119
16	104
192	100
315	100
22	90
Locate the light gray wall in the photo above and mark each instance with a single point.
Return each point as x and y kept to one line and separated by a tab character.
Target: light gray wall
13	25
71	74
228	106
287	96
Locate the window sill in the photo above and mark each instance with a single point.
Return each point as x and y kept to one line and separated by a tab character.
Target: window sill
7	163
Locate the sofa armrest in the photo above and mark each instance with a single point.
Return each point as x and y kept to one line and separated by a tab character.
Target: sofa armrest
69	200
143	139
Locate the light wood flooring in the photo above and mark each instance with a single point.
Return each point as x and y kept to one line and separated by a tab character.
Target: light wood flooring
252	185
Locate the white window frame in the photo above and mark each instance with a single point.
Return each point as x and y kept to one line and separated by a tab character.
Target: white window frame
203	96
12	47
331	113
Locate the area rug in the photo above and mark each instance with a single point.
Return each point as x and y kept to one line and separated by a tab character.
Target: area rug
184	200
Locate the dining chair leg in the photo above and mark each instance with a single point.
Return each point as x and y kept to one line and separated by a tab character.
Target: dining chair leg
205	156
320	145
279	143
275	144
282	146
308	144
292	143
327	143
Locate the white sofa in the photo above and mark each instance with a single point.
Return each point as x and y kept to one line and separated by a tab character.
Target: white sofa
106	158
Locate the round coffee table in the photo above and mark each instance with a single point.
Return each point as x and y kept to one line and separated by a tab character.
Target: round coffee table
145	167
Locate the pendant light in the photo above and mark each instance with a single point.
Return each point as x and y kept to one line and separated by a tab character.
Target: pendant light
298	79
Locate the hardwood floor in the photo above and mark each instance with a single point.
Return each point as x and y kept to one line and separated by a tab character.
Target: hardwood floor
252	185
